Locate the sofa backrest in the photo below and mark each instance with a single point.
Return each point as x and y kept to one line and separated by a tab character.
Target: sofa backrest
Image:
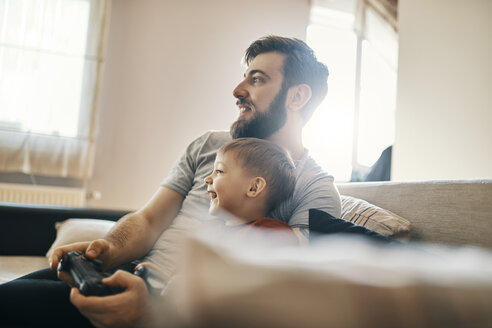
30	229
448	212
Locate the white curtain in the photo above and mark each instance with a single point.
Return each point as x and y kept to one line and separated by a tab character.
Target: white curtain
51	56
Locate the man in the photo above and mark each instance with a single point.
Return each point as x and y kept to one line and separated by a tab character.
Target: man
283	85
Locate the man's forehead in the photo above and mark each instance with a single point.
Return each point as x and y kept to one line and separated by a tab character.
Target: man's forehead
270	63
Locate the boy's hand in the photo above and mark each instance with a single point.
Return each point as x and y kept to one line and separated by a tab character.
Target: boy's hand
126	309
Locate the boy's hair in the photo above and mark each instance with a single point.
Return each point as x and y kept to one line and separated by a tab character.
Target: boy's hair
268	160
300	66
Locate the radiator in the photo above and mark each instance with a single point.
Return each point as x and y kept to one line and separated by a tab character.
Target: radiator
45	195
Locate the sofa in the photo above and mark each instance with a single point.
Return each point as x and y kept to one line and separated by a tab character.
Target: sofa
28	231
450	225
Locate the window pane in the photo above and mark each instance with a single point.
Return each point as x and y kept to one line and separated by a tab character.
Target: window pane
42	54
329	133
377	106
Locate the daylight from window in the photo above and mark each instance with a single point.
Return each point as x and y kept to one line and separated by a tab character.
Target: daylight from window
344	134
329	133
377	106
42	49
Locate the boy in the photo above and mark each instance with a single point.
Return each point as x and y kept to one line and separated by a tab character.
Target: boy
251	177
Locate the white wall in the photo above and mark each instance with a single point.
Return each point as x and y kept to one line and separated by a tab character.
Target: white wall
171	66
170	70
444	102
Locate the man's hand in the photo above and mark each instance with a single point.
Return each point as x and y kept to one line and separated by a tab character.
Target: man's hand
99	248
126	309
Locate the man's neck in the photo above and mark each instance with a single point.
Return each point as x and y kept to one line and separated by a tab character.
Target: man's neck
290	139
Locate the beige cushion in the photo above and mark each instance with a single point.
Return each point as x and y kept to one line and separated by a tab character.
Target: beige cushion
449	212
341	283
374	218
355	210
77	230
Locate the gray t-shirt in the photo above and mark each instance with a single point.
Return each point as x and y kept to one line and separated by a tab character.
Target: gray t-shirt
314	189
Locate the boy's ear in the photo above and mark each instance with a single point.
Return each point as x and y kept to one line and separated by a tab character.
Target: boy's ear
256	186
298	96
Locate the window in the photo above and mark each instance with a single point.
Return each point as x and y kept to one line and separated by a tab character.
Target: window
50	62
355	123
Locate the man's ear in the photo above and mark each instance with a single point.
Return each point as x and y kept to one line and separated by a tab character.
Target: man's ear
256	186
298	96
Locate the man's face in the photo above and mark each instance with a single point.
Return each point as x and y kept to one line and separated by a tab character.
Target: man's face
227	185
261	98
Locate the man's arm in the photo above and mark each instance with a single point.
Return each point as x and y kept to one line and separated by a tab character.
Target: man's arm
133	235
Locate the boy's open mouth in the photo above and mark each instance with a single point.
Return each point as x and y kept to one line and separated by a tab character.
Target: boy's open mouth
212	194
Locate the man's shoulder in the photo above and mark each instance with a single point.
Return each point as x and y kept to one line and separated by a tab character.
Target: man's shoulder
214	137
309	171
218	136
210	140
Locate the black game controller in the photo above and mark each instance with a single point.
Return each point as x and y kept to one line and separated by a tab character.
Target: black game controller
87	274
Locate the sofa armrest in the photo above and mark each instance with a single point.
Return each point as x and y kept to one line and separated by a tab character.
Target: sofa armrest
30	229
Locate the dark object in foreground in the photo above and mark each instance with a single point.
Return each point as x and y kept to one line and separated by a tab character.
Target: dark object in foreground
322	223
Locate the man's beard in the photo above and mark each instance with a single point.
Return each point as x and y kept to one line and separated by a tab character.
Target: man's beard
263	125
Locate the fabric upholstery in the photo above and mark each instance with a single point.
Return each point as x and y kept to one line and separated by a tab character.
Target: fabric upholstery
30	229
449	212
373	217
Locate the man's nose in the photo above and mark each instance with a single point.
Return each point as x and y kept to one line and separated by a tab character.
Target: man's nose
240	91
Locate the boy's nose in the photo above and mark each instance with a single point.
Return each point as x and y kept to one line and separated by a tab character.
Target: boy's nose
208	180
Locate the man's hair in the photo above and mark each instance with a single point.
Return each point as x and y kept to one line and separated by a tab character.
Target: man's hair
268	160
300	66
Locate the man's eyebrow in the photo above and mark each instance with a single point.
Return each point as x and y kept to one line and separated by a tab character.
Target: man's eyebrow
254	71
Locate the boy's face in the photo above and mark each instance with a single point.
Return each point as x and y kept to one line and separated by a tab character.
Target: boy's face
227	185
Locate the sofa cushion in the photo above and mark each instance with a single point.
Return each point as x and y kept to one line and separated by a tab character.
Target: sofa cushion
356	211
343	282
453	212
77	230
375	218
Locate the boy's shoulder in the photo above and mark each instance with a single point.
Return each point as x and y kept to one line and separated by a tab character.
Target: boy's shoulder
270	223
